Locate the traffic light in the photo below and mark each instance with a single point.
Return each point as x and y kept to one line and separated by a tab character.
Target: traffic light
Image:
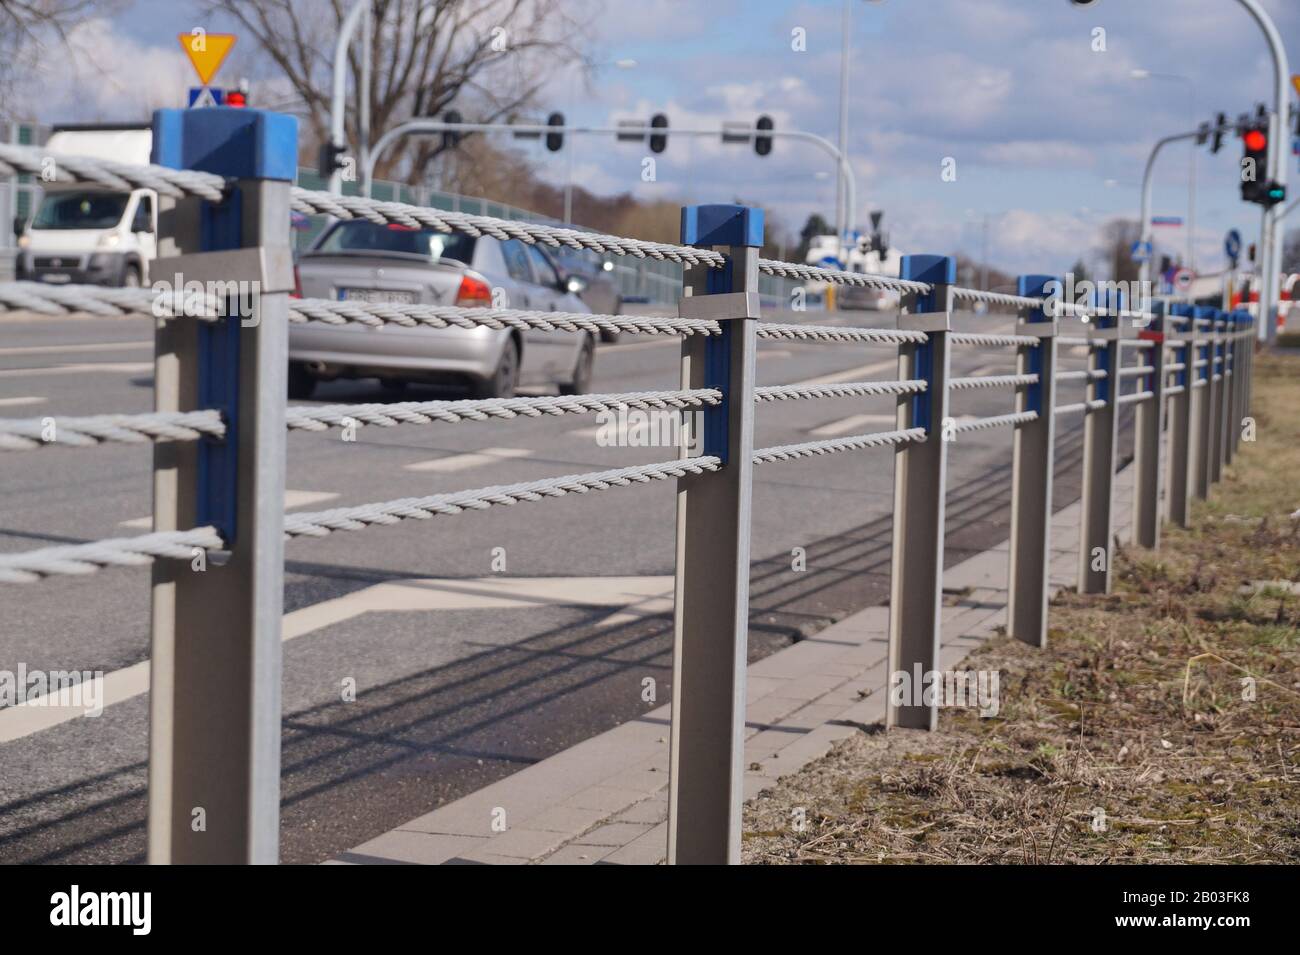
763	144
1255	186
451	138
555	141
658	141
1219	122
329	158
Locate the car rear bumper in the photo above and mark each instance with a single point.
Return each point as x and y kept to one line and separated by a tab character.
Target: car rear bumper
357	351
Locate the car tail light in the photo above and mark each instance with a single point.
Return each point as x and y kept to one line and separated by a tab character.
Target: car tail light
297	284
473	293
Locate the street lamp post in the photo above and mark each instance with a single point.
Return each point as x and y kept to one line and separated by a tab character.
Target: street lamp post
338	99
1191	174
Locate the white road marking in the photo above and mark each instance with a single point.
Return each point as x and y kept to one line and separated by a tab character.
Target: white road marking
15	402
460	462
636	597
292	499
88	346
125	367
851	424
658	342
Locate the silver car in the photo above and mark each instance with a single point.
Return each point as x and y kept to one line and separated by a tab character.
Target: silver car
364	262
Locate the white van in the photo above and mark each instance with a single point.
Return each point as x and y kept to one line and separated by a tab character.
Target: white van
89	234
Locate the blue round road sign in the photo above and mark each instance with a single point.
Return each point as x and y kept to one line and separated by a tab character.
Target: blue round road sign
1232	244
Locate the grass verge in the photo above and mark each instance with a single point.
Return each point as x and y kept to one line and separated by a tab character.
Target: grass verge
1161	724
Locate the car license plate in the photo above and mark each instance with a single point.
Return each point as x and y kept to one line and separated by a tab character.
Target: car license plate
377	296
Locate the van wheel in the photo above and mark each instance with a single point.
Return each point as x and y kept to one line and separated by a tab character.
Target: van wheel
301	381
505	379
581	383
131	277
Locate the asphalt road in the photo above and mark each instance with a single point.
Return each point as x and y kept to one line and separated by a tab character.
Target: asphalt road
464	673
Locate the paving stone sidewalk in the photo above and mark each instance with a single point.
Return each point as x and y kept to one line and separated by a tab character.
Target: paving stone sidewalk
606	799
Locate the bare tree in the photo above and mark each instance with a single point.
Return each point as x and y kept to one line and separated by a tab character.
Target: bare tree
1117	238
27	27
489	57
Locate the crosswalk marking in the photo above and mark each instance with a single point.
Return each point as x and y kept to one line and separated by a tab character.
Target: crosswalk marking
460	462
15	402
631	598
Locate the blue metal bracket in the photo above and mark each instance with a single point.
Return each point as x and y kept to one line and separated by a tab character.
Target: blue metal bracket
239	144
1036	286
935	270
705	227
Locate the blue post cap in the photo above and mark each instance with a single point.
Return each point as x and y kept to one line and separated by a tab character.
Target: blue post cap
1182	310
722	225
934	269
232	142
1033	286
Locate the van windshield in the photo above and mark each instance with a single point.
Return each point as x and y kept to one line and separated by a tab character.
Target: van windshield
360	238
80	210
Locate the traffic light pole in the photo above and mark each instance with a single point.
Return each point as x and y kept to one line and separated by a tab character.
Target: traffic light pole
430	126
1271	227
1144	220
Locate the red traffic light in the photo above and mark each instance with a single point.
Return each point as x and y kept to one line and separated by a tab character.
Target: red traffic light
1255	140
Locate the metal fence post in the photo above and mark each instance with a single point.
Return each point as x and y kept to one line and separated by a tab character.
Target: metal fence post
707	770
1203	405
1218	397
1099	439
1180	412
1150	418
1231	376
214	794
1032	458
920	476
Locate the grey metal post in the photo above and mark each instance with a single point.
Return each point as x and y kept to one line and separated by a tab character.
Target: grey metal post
1032	459
1218	397
711	625
1203	404
1150	418
1179	331
1096	530
214	793
920	477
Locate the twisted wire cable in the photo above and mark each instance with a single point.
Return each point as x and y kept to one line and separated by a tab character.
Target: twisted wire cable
26	434
995	298
123	177
992	341
399	213
1096	404
991	381
881	439
828	333
997	421
444	316
321	418
322	523
861	389
1090	374
884	283
1135	397
81	559
109	302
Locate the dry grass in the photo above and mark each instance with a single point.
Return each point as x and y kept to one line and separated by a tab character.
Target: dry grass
1132	738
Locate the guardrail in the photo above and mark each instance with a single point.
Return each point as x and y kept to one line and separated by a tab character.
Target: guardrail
220	420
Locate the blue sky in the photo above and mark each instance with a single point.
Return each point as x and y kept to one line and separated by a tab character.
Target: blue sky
1049	136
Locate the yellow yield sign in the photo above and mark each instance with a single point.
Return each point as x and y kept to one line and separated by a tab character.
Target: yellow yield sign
207	51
